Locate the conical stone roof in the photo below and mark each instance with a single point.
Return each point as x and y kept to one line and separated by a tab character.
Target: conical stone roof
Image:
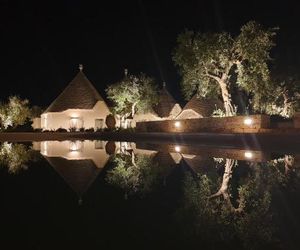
203	106
78	174
165	104
79	94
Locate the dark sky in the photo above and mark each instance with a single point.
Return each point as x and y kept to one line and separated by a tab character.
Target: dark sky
43	42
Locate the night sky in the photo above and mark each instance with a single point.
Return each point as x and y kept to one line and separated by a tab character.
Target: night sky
43	42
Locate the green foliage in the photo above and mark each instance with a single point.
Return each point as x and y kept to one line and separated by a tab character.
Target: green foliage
284	99
134	176
211	61
218	113
15	112
133	94
212	220
15	156
124	175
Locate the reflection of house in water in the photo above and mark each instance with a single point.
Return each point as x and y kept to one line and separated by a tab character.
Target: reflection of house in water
198	163
77	162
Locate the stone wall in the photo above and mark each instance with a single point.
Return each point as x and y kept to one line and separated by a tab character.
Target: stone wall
297	120
238	124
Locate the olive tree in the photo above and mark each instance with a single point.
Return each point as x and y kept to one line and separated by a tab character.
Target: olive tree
284	98
15	156
210	62
133	94
15	112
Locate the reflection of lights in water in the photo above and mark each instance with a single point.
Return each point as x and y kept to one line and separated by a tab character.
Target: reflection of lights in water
75	145
74	122
248	154
45	148
177	148
248	121
177	124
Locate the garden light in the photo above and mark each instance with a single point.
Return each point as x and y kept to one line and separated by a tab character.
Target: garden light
248	121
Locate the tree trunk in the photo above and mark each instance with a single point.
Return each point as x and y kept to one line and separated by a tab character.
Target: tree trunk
286	105
229	110
133	109
288	163
224	189
133	159
123	121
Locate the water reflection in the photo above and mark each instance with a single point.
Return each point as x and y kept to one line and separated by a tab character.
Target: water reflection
15	156
77	162
217	197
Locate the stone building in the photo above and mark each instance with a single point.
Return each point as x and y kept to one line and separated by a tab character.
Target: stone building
78	106
199	108
166	109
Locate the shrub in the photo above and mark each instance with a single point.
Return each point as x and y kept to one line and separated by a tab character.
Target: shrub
61	130
72	129
25	127
124	130
90	130
99	130
48	131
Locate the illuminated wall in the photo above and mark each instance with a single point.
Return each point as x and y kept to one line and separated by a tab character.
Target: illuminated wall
75	150
253	123
65	119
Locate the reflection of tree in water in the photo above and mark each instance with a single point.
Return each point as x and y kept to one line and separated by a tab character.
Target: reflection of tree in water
15	156
134	173
235	210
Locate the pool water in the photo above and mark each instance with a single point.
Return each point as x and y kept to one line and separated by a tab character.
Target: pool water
125	195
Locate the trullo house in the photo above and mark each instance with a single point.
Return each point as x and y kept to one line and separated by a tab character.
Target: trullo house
78	106
166	109
199	108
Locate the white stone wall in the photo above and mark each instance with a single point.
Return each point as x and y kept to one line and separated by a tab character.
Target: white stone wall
75	150
55	120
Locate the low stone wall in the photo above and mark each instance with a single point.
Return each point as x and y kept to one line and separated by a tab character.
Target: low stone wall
296	120
237	124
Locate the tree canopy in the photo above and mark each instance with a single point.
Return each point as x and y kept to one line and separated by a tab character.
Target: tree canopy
284	98
15	112
133	94
210	62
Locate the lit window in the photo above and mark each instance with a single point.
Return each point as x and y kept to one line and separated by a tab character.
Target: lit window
76	122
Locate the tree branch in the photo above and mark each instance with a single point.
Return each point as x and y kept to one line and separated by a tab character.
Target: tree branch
211	75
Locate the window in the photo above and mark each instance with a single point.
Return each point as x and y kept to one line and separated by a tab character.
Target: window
76	146
99	124
76	123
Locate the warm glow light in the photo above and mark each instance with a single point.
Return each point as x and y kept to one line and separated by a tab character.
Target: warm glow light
75	122
75	145
248	121
177	124
248	154
177	148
